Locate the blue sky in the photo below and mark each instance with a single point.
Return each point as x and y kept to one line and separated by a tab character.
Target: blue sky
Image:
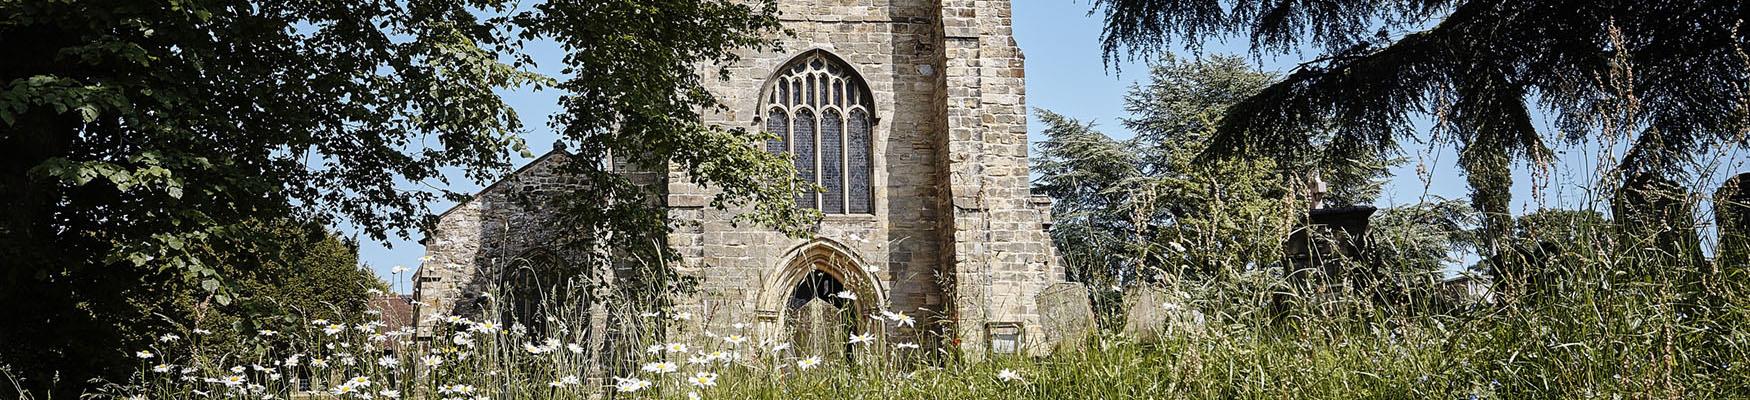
1065	74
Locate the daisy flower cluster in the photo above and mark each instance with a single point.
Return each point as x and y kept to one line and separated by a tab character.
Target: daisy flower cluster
460	357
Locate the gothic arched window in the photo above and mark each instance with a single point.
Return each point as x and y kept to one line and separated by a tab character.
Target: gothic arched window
820	110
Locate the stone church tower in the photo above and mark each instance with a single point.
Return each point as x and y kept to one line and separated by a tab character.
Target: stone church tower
911	113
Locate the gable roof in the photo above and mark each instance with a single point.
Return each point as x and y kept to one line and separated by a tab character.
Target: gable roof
544	158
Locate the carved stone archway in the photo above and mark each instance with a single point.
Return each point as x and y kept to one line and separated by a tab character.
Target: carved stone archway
822	255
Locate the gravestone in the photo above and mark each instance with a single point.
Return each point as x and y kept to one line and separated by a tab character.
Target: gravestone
818	328
1656	209
1065	316
1732	216
1152	312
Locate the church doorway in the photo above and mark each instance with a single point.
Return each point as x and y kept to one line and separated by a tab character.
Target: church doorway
822	316
818	298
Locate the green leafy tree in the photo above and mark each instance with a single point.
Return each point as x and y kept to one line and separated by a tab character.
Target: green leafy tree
1146	207
1659	75
135	136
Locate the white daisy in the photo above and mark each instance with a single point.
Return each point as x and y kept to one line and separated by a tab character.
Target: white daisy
863	338
1007	375
629	385
144	354
807	363
661	367
703	379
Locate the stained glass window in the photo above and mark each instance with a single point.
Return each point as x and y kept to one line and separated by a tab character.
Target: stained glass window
832	156
820	110
858	166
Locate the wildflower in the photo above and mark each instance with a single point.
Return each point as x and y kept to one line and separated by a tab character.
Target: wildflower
431	360
424	259
456	319
1007	375
343	389
699	360
388	361
683	316
360	381
676	347
267	332
319	362
735	339
780	347
571	380
199	331
232	380
259	368
274	376
864	338
292	361
135	397
533	349
169	337
555	383
905	320
389	393
847	295
661	367
398	270
462	339
333	329
692	395
237	369
143	354
703	379
319	322
486	327
574	348
629	385
907	345
807	363
378	338
161	368
653	349
721	356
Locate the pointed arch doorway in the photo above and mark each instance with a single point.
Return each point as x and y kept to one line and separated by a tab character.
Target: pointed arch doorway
819	295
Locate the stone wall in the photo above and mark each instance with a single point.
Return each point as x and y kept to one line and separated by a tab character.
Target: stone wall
890	44
469	247
994	244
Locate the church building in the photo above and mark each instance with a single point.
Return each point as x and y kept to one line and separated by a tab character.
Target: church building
911	114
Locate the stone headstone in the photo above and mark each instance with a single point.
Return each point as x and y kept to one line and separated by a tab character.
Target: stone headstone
1650	206
1732	216
818	328
1152	312
1065	315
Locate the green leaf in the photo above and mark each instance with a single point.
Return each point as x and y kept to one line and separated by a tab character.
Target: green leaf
210	285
